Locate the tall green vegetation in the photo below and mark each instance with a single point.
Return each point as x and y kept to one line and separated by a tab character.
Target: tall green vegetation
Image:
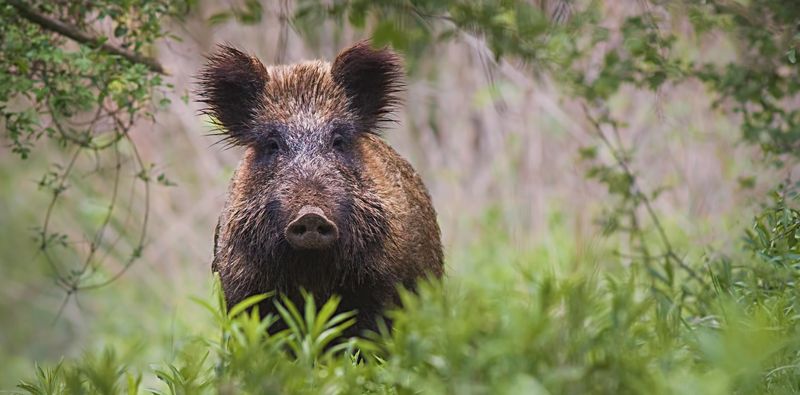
664	322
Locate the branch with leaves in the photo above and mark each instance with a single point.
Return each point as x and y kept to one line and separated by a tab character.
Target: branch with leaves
72	32
78	104
623	184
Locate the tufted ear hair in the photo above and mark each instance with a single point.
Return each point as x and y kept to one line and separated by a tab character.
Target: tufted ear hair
232	87
372	79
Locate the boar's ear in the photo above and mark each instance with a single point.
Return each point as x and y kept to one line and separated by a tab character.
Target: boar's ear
232	85
371	78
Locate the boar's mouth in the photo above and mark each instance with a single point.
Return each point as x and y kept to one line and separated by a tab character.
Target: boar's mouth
311	230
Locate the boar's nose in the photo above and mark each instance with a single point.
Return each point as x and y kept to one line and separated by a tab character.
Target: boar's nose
311	230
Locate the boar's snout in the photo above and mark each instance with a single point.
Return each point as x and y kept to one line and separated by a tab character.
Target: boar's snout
311	230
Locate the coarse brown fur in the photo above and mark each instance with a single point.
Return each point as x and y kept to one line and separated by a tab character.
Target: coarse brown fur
311	132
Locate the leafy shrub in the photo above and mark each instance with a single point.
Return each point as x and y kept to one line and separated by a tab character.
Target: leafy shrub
534	332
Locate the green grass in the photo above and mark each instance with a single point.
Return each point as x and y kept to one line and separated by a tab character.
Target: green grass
505	322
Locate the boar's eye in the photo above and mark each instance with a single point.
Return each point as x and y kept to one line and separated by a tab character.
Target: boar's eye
338	142
271	146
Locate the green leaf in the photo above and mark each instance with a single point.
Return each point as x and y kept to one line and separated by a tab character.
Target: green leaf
248	303
219	18
120	31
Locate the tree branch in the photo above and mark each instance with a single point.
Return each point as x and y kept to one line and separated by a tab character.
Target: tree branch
76	34
639	192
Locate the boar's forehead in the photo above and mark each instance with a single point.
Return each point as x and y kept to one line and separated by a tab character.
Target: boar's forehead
304	97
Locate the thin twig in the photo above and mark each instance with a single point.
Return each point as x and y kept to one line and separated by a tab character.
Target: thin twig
63	305
143	233
99	235
57	191
283	34
623	164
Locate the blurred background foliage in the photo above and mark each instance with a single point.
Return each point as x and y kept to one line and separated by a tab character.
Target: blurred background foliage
615	183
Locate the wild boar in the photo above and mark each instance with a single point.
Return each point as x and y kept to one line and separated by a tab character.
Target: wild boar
319	201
